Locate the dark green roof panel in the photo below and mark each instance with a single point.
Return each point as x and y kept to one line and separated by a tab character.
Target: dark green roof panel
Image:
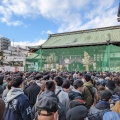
85	37
34	47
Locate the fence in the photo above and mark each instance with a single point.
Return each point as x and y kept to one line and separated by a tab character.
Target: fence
89	58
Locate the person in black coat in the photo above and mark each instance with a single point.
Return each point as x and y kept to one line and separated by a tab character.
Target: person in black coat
1	83
32	90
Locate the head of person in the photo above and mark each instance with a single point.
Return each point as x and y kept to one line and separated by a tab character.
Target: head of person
9	79
117	81
9	85
100	88
42	86
78	85
50	85
38	77
86	78
60	74
76	112
116	108
105	95
58	81
17	82
110	85
75	76
102	82
21	74
47	108
2	109
66	86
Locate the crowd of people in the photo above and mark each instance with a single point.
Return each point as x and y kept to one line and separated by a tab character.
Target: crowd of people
60	95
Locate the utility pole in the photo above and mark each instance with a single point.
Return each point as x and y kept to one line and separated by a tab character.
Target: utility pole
118	13
12	53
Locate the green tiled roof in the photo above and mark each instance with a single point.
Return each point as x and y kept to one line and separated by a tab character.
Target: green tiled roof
33	55
34	47
84	37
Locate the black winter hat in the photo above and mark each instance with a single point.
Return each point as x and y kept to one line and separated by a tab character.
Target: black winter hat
48	104
110	84
87	77
105	95
77	113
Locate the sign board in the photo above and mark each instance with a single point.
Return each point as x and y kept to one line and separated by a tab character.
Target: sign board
11	48
7	51
114	55
21	68
12	69
7	68
14	58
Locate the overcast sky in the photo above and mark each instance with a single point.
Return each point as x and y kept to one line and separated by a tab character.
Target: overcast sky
28	22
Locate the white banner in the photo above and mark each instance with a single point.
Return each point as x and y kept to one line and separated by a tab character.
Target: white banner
12	69
2	69
14	58
21	68
7	68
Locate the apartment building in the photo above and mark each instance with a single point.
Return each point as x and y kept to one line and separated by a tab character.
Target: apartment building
4	43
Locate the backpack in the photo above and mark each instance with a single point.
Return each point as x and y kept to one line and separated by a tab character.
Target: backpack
61	110
98	115
115	97
92	94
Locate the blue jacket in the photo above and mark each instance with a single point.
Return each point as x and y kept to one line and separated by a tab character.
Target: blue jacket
18	108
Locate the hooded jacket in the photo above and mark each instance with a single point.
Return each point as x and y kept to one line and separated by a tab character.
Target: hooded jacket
88	94
47	93
74	94
77	110
17	105
96	112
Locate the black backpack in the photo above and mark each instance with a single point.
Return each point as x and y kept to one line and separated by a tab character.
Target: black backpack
98	115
